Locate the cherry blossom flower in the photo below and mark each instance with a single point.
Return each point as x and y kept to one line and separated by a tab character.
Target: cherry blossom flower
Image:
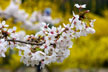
80	6
92	22
3	47
90	30
3	24
39	55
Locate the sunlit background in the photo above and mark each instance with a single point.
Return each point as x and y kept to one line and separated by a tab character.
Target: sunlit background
88	54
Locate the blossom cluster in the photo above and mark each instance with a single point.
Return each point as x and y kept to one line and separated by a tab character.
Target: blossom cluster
49	44
19	15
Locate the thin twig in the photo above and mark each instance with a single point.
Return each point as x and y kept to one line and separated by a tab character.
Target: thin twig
27	42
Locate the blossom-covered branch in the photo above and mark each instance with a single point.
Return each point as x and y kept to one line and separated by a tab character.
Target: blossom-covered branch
49	44
19	15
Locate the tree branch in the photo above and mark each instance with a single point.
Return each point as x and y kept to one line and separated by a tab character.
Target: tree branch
27	42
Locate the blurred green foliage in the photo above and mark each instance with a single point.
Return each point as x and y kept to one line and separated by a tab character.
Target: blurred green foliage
87	52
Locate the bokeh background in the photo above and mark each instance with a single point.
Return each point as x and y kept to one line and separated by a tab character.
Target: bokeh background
88	54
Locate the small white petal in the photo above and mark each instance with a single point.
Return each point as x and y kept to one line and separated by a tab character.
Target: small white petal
10	30
5	29
3	22
0	25
14	28
3	55
83	6
70	20
77	5
6	25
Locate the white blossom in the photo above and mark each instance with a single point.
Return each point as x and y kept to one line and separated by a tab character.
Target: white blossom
3	47
39	55
80	6
3	24
90	30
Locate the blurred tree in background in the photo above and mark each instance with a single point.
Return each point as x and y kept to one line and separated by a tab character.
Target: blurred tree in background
88	52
